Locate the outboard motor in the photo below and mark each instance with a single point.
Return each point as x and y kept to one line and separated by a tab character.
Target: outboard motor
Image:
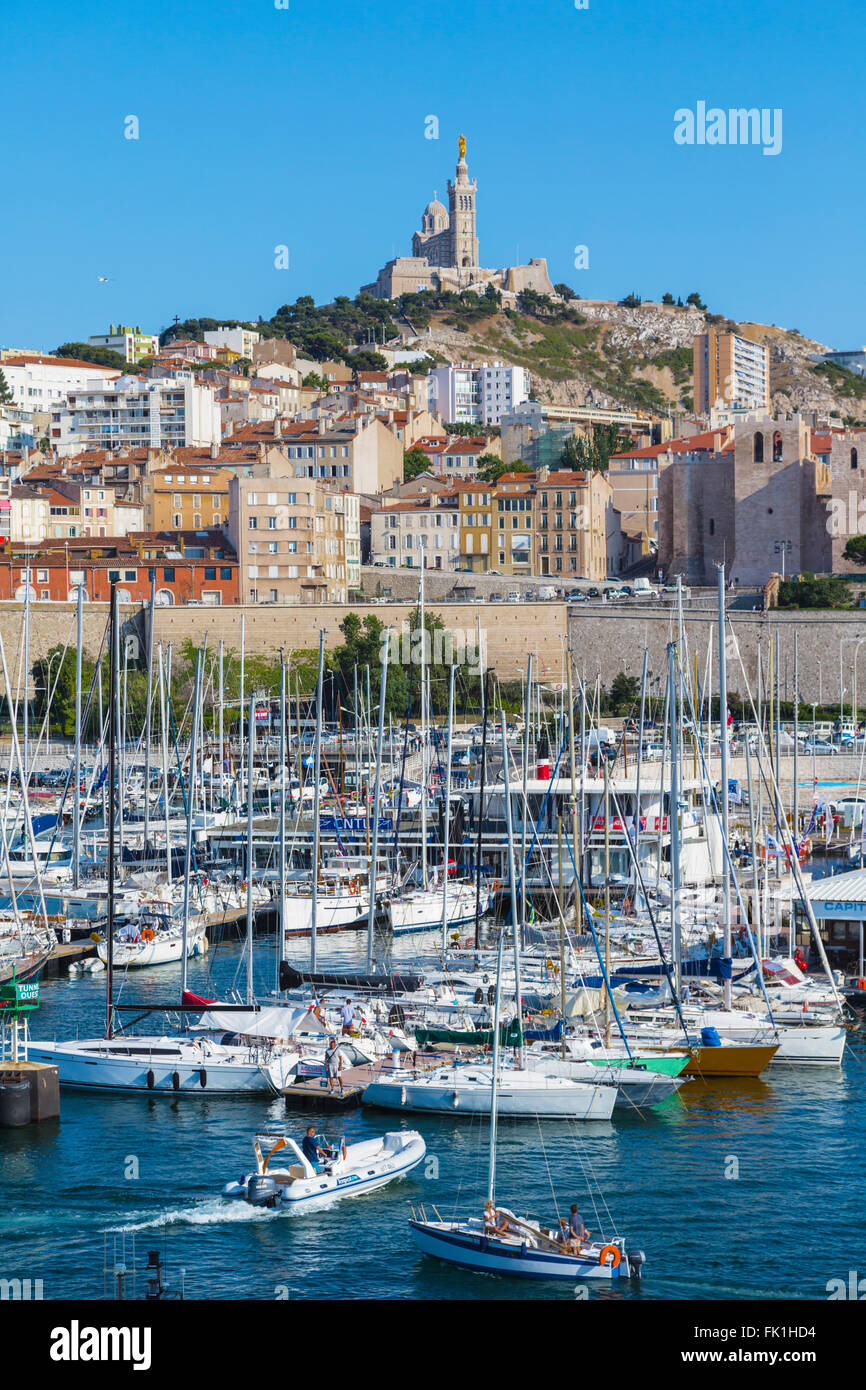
261	1191
636	1261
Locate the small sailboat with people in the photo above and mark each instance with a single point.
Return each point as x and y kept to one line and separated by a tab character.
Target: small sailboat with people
498	1241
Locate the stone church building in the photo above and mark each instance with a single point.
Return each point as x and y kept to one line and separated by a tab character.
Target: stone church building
445	251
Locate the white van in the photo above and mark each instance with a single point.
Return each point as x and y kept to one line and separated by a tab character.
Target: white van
546	591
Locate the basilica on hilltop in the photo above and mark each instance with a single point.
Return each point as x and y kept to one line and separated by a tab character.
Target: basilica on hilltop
445	251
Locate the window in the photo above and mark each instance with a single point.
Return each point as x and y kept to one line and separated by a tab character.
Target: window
129	576
168	575
272	523
759	448
712	527
225	572
210	572
853	458
253	523
777	446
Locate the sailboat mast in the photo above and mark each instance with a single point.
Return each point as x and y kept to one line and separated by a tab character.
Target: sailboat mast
163	722
383	685
221	743
190	808
525	799
317	764
446	820
723	737
76	803
494	1083
251	753
112	734
674	819
511	881
423	734
147	715
281	950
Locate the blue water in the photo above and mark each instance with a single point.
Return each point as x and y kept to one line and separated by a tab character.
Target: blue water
792	1220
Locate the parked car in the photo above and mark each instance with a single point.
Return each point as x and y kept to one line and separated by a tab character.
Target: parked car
495	598
652	752
819	747
593	592
576	597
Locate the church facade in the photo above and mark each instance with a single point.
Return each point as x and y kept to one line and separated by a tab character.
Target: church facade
445	251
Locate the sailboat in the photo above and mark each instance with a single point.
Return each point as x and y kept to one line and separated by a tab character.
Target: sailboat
499	1242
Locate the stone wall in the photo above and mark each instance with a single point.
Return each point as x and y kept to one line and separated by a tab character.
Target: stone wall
606	639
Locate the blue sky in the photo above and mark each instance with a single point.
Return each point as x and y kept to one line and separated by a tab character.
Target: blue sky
305	126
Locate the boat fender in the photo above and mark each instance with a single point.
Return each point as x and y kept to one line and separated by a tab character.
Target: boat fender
151	1080
175	1080
491	994
343	1150
613	1251
402	1095
861	983
202	1078
455	1099
479	996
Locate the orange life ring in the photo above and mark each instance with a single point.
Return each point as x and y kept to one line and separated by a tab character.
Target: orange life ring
147	934
353	887
610	1250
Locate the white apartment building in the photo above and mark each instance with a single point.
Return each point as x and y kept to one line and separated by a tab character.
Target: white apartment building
39	382
477	394
240	340
416	535
169	412
131	343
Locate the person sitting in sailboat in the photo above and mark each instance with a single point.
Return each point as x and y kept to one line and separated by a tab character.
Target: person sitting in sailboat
579	1233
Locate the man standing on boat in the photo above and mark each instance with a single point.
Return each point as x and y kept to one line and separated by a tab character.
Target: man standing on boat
347	1014
312	1151
334	1064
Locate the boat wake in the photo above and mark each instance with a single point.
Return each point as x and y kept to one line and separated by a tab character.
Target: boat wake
211	1213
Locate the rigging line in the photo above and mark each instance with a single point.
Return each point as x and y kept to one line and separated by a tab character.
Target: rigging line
567	839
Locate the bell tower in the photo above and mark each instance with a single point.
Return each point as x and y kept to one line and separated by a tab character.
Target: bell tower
461	203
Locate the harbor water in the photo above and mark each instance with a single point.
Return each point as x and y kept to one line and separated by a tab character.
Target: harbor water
733	1188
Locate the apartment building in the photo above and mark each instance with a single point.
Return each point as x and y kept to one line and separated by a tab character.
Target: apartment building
200	568
456	456
513	538
574	513
417	533
131	343
39	382
239	340
730	373
161	413
179	499
289	537
357	452
464	393
475	503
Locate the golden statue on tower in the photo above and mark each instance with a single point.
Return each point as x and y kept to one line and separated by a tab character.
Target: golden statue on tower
461	145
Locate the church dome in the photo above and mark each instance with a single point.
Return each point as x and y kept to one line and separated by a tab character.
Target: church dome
435	217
